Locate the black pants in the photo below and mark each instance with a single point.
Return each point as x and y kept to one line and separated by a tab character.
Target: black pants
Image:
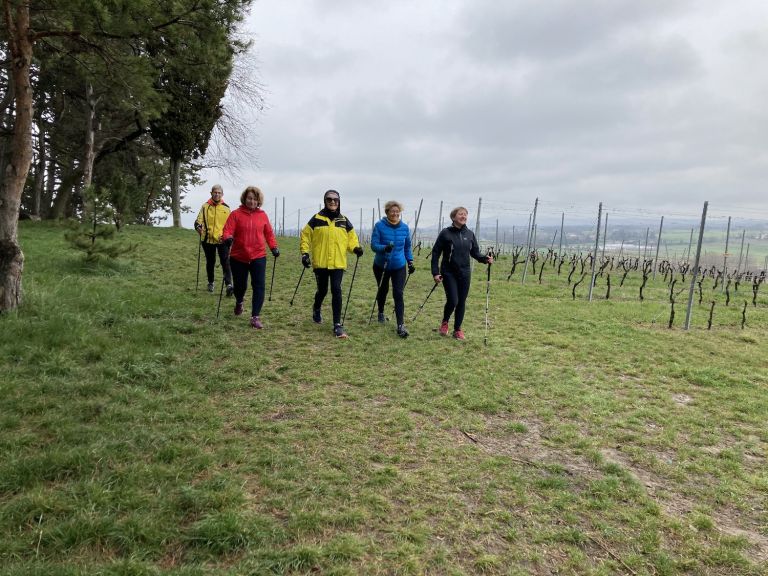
258	270
210	261
398	285
322	275
456	286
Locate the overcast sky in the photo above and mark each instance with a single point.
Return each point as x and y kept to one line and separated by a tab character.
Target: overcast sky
646	105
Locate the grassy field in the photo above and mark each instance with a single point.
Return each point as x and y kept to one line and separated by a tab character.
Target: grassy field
139	435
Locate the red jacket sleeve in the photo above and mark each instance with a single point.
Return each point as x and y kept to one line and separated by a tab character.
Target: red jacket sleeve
269	235
229	226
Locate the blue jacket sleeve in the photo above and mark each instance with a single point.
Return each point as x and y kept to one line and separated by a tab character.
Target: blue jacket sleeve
376	241
408	252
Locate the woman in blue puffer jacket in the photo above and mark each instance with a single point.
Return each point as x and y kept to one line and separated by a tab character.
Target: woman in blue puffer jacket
391	241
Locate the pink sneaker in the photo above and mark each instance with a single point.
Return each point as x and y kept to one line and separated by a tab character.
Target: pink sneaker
443	328
256	322
238	308
458	334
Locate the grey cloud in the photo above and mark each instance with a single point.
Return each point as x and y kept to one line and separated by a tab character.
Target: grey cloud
553	29
573	102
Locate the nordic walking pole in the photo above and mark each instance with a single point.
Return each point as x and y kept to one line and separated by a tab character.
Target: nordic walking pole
378	288
487	301
221	293
199	245
349	294
272	282
424	303
303	269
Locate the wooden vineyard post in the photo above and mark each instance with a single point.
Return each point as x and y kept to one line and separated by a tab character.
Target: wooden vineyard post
597	243
695	273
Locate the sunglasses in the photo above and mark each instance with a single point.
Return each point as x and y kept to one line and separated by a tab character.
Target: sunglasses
332	200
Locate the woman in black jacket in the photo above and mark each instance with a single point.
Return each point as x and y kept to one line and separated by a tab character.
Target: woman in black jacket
455	244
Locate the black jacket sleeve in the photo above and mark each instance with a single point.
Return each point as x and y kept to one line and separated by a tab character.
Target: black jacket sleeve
436	250
474	251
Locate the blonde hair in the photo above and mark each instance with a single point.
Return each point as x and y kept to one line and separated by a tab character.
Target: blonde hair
256	192
391	204
456	211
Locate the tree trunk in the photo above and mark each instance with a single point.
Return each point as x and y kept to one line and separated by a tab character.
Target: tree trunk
175	195
39	181
15	175
50	181
89	154
6	128
64	194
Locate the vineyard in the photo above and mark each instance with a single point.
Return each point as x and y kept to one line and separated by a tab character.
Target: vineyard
651	266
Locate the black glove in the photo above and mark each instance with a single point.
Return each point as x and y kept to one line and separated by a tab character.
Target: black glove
358	250
389	247
275	252
411	268
229	241
305	260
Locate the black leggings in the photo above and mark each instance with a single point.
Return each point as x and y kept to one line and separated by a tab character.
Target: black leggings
322	275
398	285
210	261
456	288
258	270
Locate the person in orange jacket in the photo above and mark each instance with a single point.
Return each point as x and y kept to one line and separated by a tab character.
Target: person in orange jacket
247	233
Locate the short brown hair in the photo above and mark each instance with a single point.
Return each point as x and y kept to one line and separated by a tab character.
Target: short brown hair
392	204
256	191
456	211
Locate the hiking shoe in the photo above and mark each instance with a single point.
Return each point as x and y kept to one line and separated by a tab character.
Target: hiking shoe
443	328
210	286
401	331
458	334
256	323
238	308
382	318
230	290
316	317
339	331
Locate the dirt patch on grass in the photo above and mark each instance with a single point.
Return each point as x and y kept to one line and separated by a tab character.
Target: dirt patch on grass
682	399
524	441
727	520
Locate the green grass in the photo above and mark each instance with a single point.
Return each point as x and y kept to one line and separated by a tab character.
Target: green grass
139	435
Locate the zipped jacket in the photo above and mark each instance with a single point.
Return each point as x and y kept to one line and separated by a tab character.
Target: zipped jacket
455	246
327	239
251	232
384	233
210	220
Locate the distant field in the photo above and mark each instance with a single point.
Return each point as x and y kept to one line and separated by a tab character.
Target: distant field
139	435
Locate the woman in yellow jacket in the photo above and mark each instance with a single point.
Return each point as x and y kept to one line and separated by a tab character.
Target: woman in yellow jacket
328	236
209	225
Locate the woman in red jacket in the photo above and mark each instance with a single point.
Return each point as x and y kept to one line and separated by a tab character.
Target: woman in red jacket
247	233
